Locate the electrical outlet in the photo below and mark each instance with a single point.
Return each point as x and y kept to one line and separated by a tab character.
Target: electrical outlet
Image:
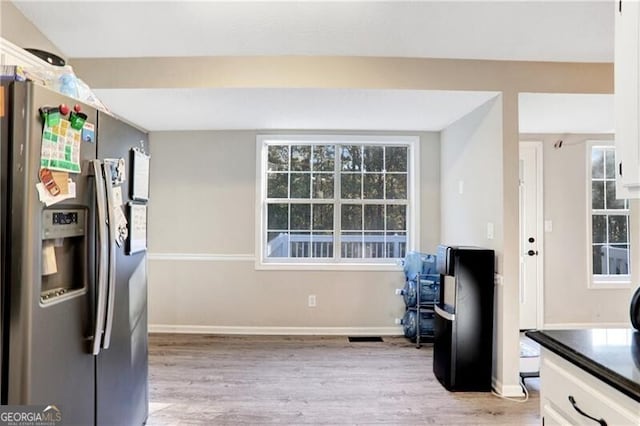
398	321
498	280
398	292
312	300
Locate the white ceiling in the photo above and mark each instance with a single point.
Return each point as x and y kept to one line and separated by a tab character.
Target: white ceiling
318	109
511	30
338	109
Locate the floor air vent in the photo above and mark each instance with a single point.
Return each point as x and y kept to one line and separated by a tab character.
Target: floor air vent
356	339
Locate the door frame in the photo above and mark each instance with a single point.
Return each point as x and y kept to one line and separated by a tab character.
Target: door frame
538	147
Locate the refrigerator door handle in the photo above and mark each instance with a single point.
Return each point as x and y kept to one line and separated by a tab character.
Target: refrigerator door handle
102	259
444	314
112	255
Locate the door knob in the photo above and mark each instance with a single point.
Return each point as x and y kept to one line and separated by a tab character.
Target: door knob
532	253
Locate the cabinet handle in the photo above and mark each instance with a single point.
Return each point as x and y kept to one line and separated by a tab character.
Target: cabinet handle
572	400
620	168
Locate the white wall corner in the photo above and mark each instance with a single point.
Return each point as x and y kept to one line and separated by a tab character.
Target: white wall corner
508	391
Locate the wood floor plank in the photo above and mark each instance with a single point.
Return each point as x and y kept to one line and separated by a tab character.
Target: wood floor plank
298	380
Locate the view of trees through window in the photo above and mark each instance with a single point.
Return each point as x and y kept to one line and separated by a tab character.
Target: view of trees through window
609	216
339	201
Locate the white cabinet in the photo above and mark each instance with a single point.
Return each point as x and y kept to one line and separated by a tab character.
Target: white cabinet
571	396
10	54
552	417
627	98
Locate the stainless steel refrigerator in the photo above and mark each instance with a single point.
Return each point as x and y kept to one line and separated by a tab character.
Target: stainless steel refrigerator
74	301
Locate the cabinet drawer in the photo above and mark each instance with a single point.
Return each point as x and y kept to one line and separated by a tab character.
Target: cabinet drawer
551	416
561	380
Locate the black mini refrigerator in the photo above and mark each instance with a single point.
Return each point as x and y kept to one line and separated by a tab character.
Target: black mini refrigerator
463	322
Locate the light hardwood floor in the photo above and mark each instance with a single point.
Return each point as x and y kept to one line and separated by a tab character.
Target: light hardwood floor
227	380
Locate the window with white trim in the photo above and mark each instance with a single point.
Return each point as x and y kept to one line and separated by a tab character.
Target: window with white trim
609	225
336	199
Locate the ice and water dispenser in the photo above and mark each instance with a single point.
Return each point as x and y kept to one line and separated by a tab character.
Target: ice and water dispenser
463	321
64	253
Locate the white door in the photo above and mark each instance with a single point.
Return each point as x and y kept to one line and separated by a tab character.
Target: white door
530	235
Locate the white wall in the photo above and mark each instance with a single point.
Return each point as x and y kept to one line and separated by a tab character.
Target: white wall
201	243
472	158
566	271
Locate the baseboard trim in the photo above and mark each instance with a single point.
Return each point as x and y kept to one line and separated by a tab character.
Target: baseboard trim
277	331
508	391
580	325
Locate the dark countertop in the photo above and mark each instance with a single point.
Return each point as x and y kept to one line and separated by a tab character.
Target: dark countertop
611	355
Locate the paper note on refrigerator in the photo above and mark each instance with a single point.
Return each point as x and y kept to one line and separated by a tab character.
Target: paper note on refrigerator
122	231
118	168
140	188
49	264
138	217
116	196
62	180
49	199
60	148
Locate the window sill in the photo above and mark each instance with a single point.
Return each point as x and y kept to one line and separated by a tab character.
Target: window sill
370	267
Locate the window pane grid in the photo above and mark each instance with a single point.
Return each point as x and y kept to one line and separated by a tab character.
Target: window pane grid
609	218
352	175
